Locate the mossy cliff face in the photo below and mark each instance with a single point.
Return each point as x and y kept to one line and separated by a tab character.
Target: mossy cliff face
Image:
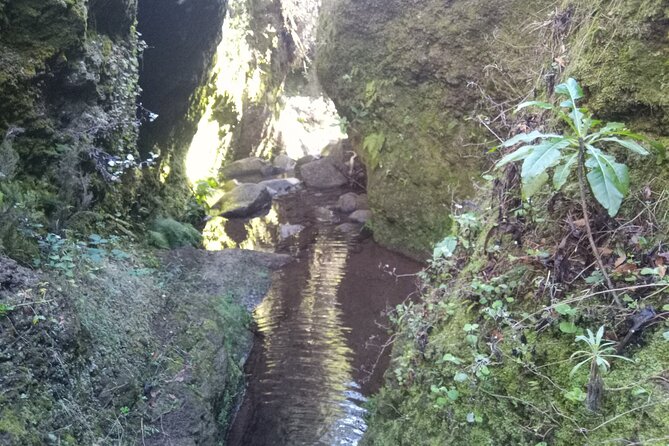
414	79
421	80
68	83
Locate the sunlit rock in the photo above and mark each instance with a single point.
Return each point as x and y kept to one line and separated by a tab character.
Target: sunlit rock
281	186
244	200
284	163
247	167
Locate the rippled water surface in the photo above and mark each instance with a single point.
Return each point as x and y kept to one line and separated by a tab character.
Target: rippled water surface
320	329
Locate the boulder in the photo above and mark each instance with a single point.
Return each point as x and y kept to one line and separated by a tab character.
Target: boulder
244	201
361	216
322	174
281	186
247	167
348	202
284	163
306	159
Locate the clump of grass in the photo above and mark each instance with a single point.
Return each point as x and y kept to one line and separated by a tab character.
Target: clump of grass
167	233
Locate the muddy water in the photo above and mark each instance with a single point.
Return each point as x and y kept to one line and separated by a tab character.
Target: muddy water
320	330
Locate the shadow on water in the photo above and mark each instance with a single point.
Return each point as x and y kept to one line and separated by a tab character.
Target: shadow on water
321	328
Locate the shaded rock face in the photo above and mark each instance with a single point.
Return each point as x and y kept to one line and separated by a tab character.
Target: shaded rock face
182	37
69	81
322	174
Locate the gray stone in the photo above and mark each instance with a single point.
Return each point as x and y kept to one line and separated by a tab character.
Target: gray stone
281	186
247	167
284	163
362	216
322	174
348	202
349	228
243	201
288	230
306	159
324	214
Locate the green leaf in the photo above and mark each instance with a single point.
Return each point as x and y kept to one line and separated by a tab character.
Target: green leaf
568	327
544	155
538	104
533	185
562	172
372	145
565	309
630	145
576	394
528	137
460	377
445	248
450	358
571	89
452	394
608	180
516	155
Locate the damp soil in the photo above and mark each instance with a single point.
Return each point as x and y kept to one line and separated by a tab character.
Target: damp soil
320	332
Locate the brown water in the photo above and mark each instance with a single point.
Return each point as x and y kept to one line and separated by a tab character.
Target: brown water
320	330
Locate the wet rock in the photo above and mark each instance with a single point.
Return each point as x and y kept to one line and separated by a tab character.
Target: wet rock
284	163
247	167
244	200
349	228
289	230
361	216
322	174
324	214
13	276
348	202
281	186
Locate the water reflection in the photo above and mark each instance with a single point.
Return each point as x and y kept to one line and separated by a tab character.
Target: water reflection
307	372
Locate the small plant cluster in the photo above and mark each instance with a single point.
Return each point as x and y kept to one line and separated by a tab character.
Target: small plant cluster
65	255
581	147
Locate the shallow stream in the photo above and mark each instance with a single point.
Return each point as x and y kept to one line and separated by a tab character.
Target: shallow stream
321	329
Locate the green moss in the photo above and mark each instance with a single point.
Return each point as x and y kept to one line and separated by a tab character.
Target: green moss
169	233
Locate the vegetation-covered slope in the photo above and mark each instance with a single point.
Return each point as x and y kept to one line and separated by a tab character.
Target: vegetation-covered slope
485	356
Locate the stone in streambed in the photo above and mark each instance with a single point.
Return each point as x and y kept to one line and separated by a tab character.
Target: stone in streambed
244	201
322	174
361	216
247	167
348	202
284	163
349	228
288	230
281	186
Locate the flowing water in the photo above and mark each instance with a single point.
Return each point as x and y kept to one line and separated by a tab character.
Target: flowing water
321	328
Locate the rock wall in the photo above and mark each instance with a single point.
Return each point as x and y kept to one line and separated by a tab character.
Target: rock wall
68	86
428	86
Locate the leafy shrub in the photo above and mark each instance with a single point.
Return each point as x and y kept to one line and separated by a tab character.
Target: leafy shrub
579	147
